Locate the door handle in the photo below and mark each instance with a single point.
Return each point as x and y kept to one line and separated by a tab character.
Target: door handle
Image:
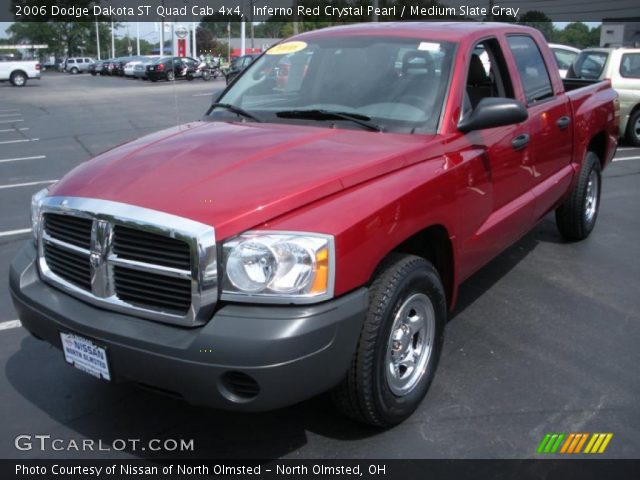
563	122
520	141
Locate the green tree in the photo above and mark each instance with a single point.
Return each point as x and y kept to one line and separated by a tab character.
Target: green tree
540	21
579	35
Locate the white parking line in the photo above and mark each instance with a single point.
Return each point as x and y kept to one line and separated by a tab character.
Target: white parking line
10	324
37	157
9	130
29	184
9	114
12	121
9	233
622	159
9	110
22	140
202	95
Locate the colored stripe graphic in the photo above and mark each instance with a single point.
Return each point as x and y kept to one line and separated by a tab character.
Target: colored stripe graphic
573	443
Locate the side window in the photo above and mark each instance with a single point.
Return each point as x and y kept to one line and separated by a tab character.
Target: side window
630	65
71	60
564	58
533	71
487	75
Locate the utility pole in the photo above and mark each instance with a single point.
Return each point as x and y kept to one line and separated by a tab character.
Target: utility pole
374	16
490	15
138	38
251	22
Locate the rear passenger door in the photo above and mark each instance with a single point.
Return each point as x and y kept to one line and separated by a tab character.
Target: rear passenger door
550	123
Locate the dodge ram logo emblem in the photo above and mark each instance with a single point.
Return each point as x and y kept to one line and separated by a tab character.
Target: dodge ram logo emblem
96	259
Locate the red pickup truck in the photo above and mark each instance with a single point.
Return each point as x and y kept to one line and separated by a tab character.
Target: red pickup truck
310	234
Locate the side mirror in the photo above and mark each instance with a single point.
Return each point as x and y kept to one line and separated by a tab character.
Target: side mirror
494	112
215	96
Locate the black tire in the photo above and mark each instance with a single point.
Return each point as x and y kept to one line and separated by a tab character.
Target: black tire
632	134
93	74
153	79
365	393
206	75
170	76
74	71
18	79
577	216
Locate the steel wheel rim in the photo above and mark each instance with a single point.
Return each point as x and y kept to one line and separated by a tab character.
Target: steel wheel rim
19	80
410	344
591	199
636	128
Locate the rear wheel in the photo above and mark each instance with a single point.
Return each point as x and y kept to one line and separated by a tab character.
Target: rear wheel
74	71
633	129
576	217
399	345
18	79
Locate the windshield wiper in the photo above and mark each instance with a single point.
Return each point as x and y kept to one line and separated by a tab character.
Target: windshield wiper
237	110
319	114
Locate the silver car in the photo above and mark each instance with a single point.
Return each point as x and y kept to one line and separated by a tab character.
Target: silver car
622	66
76	65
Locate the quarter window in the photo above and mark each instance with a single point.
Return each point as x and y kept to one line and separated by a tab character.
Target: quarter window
533	71
630	65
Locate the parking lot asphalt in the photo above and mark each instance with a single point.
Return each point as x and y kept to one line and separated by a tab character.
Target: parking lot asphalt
544	339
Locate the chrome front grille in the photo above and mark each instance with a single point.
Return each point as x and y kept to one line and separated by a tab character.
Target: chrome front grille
130	259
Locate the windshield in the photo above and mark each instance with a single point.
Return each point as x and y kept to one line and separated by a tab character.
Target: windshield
398	84
590	65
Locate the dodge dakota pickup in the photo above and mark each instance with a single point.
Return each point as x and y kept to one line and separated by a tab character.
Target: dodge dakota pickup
311	232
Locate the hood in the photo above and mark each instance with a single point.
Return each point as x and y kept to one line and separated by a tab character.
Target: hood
235	176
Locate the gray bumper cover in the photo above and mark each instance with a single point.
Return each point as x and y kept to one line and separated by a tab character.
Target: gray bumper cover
292	352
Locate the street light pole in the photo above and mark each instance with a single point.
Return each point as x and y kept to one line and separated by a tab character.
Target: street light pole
113	42
98	39
138	38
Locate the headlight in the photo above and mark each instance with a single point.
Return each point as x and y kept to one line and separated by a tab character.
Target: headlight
36	204
279	267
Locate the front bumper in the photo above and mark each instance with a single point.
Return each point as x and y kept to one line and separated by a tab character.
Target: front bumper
291	352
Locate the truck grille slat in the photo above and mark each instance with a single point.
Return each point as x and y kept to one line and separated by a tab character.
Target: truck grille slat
70	266
73	230
142	280
151	248
144	288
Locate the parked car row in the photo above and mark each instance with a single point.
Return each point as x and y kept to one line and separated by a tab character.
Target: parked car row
154	68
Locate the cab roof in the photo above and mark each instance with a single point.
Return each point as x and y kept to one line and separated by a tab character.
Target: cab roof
445	31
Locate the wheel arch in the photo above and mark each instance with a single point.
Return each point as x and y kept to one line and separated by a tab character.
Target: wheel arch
434	244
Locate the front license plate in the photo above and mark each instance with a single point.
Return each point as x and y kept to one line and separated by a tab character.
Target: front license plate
85	355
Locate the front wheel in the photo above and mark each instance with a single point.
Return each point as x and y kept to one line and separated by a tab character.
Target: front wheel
206	75
399	346
576	217
633	129
171	76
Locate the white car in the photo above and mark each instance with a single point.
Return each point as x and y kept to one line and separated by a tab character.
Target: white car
565	56
130	66
18	72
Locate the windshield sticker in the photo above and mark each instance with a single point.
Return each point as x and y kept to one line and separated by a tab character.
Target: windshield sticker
429	47
287	47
